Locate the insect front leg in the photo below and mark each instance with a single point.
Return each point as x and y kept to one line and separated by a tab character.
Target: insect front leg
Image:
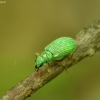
36	55
38	75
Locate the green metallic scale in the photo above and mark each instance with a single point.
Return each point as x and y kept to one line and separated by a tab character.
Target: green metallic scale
56	50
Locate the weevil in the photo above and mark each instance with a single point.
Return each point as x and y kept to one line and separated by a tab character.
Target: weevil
56	50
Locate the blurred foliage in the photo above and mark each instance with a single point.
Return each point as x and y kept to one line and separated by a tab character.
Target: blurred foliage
27	26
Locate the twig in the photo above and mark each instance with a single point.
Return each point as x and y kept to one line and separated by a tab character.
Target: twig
88	43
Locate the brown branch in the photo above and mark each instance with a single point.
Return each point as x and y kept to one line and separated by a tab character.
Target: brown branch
88	43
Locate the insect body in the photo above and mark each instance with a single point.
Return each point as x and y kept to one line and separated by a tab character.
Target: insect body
56	50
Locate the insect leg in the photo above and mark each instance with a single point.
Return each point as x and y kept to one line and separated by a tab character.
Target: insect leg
49	69
37	54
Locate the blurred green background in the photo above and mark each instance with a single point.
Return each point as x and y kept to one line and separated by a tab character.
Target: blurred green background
27	26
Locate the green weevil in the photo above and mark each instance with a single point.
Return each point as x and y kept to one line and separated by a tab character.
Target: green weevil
56	50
